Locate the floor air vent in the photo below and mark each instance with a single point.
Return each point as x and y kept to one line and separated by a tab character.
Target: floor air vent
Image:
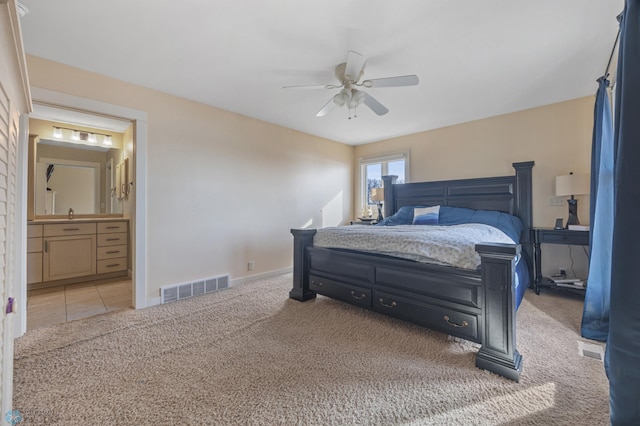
172	293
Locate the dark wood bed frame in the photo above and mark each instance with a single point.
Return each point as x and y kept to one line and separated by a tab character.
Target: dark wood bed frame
477	306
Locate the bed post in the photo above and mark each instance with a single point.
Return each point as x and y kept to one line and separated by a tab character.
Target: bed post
524	208
498	353
302	239
389	194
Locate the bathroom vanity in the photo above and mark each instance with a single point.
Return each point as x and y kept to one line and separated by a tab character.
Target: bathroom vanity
67	251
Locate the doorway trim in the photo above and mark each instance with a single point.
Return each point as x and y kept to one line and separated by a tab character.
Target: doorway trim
139	213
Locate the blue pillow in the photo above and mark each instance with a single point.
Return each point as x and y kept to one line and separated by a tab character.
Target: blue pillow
404	216
509	224
426	215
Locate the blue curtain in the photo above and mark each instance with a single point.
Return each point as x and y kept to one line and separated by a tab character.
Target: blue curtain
595	317
623	346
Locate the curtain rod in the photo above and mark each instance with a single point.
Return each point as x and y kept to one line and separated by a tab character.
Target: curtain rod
606	72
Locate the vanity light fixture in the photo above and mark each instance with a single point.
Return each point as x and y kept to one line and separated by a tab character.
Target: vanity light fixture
81	135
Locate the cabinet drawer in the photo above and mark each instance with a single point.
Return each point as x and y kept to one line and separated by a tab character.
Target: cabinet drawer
107	227
112	239
337	290
34	231
63	229
448	321
111	252
112	265
34	245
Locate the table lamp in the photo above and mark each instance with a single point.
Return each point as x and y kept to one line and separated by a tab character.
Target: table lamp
377	195
572	185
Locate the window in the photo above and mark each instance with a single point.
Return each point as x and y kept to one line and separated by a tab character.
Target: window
372	170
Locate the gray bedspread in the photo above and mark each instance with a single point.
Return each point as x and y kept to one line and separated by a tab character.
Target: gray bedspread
452	245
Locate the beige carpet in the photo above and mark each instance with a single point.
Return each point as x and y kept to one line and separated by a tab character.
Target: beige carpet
251	356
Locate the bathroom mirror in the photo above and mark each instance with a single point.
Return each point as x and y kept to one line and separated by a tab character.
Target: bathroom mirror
67	174
75	177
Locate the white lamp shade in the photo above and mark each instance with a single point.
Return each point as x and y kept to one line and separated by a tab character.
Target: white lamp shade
572	184
377	194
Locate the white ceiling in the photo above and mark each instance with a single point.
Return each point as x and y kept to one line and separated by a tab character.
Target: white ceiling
475	59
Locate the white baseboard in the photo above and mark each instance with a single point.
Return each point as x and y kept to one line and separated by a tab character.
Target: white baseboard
261	276
154	301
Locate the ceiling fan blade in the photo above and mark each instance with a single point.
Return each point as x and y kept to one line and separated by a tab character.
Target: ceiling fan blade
375	106
326	109
403	80
316	86
355	66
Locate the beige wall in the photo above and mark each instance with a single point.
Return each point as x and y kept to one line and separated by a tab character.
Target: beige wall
222	189
557	137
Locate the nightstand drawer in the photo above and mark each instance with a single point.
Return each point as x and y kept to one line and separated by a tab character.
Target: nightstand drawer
580	238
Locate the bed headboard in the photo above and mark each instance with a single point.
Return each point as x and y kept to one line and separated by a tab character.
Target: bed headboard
509	194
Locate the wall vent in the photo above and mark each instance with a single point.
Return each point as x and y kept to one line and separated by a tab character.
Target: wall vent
172	293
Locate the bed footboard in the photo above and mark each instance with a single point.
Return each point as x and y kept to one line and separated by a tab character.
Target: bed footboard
485	301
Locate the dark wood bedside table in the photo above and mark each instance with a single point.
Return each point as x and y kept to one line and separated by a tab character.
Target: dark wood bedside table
363	222
553	236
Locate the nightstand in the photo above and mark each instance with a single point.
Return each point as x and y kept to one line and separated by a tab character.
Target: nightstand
363	222
553	236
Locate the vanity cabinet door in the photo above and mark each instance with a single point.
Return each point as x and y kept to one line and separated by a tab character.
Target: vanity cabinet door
69	257
34	254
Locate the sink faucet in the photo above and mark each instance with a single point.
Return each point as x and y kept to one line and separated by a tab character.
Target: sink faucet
70	213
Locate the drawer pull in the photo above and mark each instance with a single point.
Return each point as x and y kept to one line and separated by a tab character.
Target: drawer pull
112	227
112	239
316	284
112	265
113	252
360	296
392	305
71	229
464	323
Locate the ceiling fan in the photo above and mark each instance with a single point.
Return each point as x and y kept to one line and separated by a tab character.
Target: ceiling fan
349	74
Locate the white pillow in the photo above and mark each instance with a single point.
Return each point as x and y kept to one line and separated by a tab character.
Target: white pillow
426	215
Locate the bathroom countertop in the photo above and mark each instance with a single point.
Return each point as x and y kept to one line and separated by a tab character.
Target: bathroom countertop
76	219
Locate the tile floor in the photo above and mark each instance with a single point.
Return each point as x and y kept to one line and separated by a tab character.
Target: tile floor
73	301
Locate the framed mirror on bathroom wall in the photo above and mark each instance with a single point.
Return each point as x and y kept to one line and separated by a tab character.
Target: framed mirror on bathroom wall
82	175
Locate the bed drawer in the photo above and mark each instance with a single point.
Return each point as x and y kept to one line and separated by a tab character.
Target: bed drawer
340	264
448	321
462	288
336	290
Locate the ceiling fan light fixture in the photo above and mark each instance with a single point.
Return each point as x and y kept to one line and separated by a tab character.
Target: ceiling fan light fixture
357	98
